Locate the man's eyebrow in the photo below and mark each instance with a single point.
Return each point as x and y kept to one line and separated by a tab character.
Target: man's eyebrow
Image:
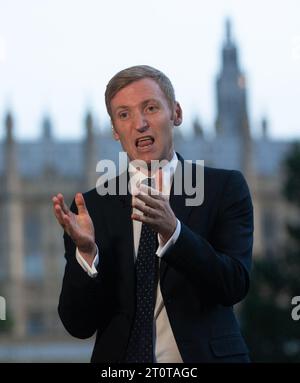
145	102
150	100
122	107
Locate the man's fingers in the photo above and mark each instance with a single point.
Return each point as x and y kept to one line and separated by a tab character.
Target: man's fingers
59	200
80	203
160	180
143	219
57	209
65	217
154	193
147	210
150	200
60	215
64	206
60	210
64	220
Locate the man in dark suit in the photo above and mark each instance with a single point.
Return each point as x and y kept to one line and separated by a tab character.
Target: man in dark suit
155	277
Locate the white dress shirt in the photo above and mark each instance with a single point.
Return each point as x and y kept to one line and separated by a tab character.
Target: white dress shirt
165	347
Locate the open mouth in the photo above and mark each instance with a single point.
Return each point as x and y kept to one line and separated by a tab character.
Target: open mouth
144	142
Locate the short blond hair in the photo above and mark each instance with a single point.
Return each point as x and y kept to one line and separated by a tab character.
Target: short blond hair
135	73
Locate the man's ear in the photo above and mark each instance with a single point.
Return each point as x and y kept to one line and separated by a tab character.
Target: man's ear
114	132
177	115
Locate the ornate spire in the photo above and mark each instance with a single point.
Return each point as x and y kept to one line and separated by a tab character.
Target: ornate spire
228	31
89	124
47	128
9	124
229	52
264	128
90	150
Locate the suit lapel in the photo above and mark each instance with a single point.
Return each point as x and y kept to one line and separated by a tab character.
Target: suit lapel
126	225
178	205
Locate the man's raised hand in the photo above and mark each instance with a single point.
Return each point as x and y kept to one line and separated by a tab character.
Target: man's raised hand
156	208
78	226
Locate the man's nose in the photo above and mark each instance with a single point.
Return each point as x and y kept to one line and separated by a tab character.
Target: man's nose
140	122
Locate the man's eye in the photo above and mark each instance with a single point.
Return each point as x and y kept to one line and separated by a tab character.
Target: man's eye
123	115
151	108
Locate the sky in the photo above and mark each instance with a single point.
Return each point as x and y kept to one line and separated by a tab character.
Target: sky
56	57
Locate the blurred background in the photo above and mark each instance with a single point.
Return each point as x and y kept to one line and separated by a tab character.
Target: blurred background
235	69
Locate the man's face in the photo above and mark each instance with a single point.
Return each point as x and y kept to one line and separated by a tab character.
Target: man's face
143	121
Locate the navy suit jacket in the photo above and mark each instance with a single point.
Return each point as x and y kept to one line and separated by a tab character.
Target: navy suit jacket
202	275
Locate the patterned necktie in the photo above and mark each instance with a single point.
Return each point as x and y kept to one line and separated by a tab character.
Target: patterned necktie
140	347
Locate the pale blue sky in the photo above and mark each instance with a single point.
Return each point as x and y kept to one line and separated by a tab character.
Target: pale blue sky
58	55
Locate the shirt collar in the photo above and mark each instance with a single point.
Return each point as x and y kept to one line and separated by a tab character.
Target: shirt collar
168	173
